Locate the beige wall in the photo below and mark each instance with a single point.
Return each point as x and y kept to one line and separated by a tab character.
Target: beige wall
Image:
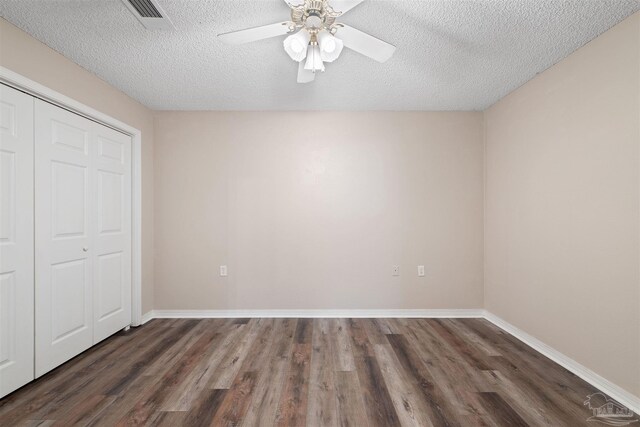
311	210
27	56
562	206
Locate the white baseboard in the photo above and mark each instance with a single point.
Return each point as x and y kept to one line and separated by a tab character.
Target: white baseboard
614	391
170	314
149	315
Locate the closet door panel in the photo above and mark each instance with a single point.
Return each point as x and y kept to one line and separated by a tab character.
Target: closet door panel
112	242
63	262
16	239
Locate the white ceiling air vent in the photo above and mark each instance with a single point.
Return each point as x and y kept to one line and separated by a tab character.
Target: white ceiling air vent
150	14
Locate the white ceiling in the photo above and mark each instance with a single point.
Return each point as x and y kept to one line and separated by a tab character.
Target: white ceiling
452	55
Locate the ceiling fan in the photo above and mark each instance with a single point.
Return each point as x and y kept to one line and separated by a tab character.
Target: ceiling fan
314	35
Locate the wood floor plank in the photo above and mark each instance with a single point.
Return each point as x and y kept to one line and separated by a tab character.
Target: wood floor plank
169	419
361	347
141	360
27	410
374	331
305	372
560	379
473	412
292	409
440	412
263	409
229	367
410	408
448	365
120	407
204	409
74	377
266	396
473	358
500	410
341	344
377	401
194	384
152	400
304	329
176	350
260	350
37	423
84	412
383	326
349	403
236	401
321	409
522	400
552	401
472	337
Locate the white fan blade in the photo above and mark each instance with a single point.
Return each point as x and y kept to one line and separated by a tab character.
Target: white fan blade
255	33
365	44
343	5
293	3
305	76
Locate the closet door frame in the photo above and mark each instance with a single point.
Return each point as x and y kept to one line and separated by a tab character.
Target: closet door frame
21	83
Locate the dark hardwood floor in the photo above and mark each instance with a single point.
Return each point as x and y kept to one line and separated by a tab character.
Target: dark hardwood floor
296	372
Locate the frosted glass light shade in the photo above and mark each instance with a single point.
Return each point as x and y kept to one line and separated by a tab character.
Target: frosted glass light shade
330	46
314	59
296	45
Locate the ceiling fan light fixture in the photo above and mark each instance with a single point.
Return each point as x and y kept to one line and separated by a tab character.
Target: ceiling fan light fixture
330	46
314	59
314	36
296	45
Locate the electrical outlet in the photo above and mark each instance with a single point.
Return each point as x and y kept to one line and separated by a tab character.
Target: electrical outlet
396	270
420	270
223	270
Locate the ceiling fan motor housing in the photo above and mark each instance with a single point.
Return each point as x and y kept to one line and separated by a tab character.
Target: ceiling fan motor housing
316	6
315	15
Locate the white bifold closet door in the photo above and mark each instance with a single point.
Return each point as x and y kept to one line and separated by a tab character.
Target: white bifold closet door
16	239
82	234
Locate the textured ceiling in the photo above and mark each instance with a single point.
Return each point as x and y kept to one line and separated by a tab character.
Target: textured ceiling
452	55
